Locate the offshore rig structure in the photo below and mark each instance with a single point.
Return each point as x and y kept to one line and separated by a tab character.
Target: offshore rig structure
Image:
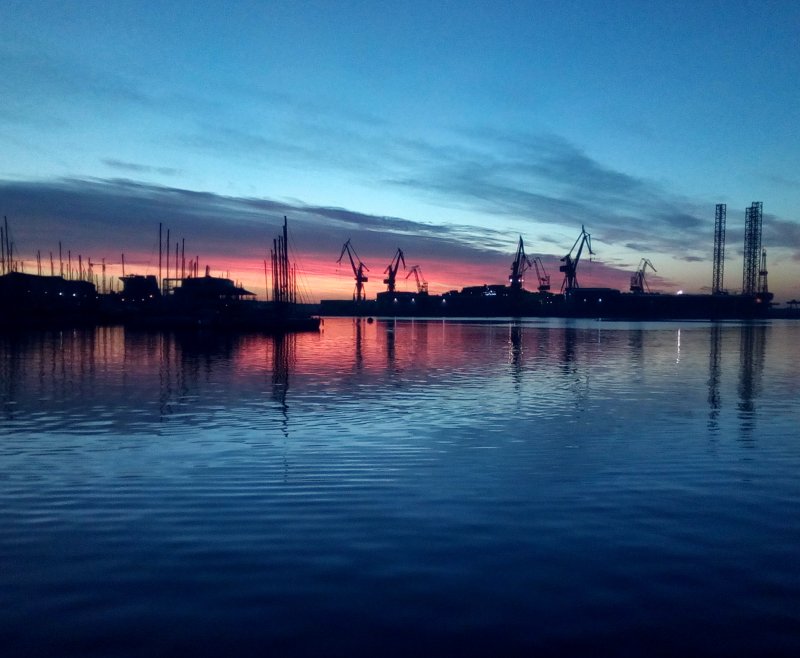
573	300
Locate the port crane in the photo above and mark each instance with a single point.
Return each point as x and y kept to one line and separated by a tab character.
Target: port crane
358	270
391	271
518	267
521	264
541	274
638	281
570	266
422	284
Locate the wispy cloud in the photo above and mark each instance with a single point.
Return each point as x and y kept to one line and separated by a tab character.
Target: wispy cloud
110	215
31	79
543	184
133	167
545	179
783	181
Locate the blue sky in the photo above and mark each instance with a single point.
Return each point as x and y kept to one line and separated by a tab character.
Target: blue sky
446	128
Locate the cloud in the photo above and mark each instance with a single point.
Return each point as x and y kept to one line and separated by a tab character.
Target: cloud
543	184
547	179
781	233
294	140
784	181
107	216
31	79
140	168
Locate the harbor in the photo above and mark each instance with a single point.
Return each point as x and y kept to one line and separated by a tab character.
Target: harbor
181	298
384	330
573	300
182	301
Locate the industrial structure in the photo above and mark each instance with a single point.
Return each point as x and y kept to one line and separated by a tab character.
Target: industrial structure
763	287
541	275
6	249
422	284
513	300
521	264
752	248
182	298
638	280
718	275
358	270
182	301
570	266
518	267
391	270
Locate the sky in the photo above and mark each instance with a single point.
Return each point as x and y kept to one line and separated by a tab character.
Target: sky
445	129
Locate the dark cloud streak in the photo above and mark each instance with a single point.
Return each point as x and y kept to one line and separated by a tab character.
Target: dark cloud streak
134	167
546	179
103	217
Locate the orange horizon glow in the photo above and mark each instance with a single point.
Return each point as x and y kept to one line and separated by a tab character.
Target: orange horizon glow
317	279
320	277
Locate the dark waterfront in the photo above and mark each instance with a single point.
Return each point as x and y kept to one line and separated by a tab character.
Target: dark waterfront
475	488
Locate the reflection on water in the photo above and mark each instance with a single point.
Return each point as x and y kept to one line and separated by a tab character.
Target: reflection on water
359	324
64	375
390	327
751	367
714	400
470	488
515	343
282	362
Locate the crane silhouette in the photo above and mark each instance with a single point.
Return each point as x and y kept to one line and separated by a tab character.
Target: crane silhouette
358	270
391	271
570	266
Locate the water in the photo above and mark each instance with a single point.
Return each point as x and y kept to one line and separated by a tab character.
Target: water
475	488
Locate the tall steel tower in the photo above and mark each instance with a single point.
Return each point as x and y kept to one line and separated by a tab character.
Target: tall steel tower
763	286
719	249
752	247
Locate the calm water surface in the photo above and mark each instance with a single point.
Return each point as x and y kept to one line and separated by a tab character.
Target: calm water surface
407	488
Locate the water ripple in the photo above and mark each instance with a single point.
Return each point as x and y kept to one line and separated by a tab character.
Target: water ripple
403	487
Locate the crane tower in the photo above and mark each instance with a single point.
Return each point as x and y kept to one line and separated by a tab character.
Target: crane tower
518	267
358	271
391	271
570	266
